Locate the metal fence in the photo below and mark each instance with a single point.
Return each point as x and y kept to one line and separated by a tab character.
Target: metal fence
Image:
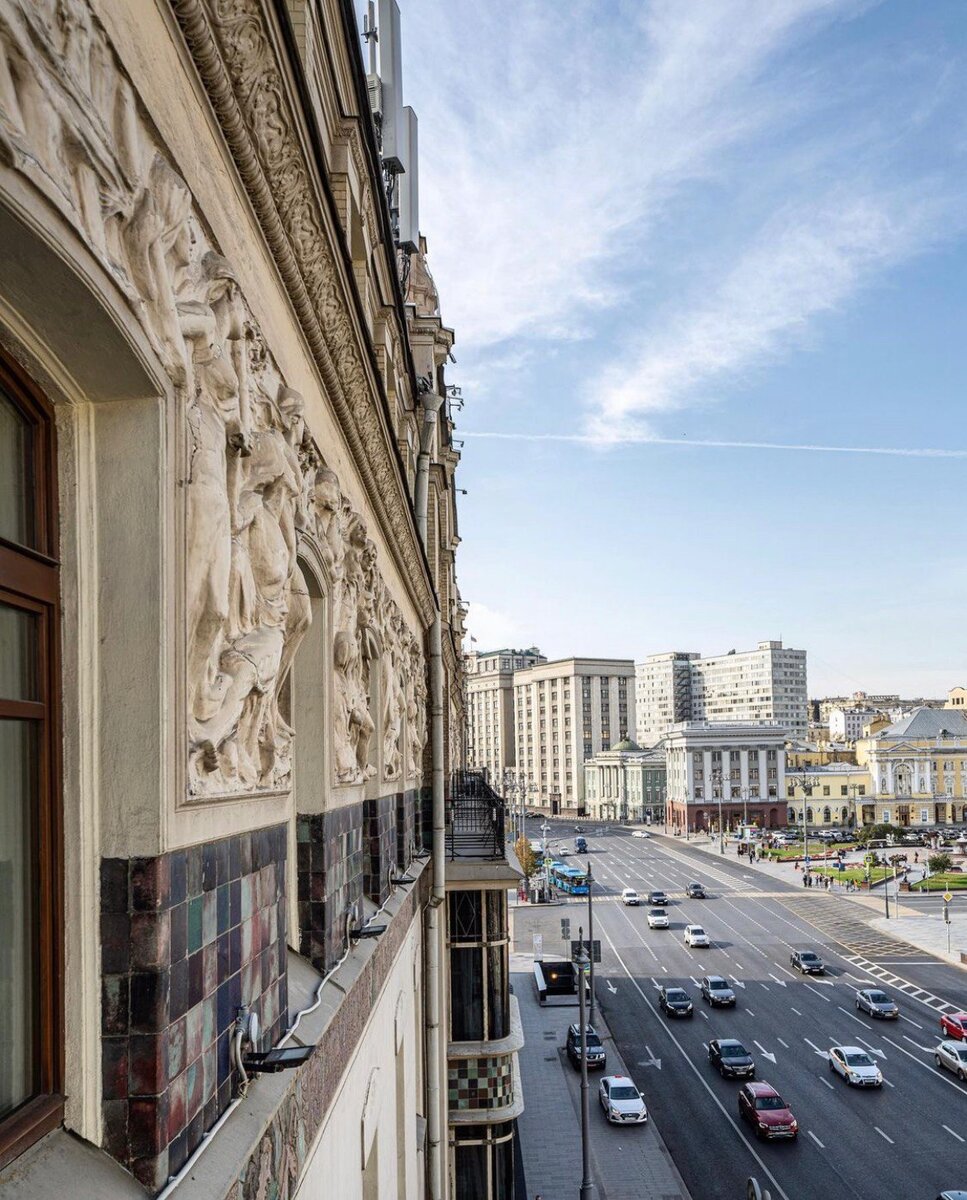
475	818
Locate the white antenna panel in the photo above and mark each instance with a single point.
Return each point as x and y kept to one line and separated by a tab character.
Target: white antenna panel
410	186
391	76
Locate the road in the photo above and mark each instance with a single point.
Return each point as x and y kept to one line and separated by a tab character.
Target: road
908	1139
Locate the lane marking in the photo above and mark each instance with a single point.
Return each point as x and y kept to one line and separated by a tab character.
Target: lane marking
828	1084
797	1012
888	1084
941	1074
852	1016
818	993
816	1139
782	1043
750	1012
926	1049
705	1015
872	1049
952	1132
884	1136
912	1022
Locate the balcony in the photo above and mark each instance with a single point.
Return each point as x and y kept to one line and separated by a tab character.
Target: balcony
475	818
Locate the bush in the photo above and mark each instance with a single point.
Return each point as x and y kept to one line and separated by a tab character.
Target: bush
879	832
938	863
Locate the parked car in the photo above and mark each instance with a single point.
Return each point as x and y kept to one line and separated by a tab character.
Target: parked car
855	1066
876	1003
762	1106
731	1059
953	1056
718	992
657	918
621	1101
629	896
954	1025
807	961
695	891
641	833
657	898
596	1055
675	1001
695	935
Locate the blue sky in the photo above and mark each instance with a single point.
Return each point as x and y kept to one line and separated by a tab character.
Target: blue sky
672	237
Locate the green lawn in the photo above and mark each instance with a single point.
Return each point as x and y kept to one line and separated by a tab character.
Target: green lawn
941	883
788	853
857	874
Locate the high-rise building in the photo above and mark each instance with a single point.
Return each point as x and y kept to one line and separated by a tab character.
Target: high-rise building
565	712
491	746
765	684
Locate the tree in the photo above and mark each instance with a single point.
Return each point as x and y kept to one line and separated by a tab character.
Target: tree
879	832
939	863
526	857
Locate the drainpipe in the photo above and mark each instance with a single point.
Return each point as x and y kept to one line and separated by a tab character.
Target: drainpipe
434	913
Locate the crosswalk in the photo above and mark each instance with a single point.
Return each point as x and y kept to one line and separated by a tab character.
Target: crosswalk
886	976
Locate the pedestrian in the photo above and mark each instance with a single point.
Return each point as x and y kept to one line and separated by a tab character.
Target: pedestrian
805	879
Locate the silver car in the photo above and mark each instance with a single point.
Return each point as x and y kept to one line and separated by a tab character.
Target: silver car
855	1066
953	1056
876	1003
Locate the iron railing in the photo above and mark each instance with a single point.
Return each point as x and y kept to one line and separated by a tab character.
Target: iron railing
475	818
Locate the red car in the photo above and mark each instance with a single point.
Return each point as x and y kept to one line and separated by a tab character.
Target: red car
954	1025
768	1113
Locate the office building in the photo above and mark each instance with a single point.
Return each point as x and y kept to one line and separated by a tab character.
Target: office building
626	783
491	745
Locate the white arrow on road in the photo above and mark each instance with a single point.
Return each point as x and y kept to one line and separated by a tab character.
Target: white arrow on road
611	988
872	1049
650	1061
821	1053
766	1054
738	982
781	982
655	984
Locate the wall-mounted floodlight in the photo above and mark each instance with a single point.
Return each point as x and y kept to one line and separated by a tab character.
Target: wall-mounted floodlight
281	1059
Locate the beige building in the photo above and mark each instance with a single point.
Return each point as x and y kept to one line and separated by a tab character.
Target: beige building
832	793
491	744
227	578
626	783
764	684
566	712
957	698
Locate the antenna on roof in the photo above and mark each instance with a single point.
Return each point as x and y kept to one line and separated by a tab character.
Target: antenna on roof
371	34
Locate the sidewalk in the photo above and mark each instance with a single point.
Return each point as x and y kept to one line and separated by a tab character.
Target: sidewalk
626	1164
924	932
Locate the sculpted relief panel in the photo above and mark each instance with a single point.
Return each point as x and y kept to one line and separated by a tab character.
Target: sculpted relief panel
256	483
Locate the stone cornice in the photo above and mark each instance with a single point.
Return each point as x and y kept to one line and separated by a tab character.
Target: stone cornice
232	45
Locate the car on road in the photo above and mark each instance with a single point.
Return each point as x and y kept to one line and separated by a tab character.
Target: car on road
718	992
563	852
855	1066
641	833
657	898
695	935
956	1195
731	1059
596	1055
695	891
657	918
629	896
954	1025
953	1056
877	1004
621	1101
762	1106
676	1002
807	961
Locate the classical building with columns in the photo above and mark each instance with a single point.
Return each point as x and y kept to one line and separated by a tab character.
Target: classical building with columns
235	830
626	783
918	770
732	768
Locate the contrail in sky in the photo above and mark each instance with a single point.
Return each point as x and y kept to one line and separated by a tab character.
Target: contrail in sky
644	440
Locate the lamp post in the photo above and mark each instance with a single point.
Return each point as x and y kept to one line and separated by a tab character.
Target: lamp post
591	943
717	780
806	782
587	1187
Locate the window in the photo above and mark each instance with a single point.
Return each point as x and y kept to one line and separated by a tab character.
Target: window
483	1159
477	934
30	905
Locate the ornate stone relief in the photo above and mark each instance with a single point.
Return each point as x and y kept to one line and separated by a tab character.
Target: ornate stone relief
255	482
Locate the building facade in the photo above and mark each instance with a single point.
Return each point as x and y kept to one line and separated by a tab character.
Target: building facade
848	724
227	580
765	684
626	783
725	772
566	712
918	770
491	744
832	794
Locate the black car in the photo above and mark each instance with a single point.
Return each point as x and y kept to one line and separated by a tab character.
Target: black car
807	961
675	1001
595	1051
731	1059
657	898
695	891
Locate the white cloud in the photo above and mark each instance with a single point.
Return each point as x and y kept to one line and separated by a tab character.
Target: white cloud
493	629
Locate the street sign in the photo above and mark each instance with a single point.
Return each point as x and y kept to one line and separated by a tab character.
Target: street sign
577	947
566	928
947	897
807	860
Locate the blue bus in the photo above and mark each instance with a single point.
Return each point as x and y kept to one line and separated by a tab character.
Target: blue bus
573	880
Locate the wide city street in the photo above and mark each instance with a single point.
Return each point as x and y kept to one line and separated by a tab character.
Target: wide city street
907	1139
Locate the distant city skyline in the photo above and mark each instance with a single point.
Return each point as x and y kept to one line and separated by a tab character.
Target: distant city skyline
707	269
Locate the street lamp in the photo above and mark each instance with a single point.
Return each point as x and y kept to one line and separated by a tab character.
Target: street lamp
580	962
717	780
802	779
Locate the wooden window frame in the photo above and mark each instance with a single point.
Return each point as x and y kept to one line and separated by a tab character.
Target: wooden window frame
30	581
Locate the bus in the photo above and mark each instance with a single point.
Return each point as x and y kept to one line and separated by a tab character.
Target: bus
573	880
538	851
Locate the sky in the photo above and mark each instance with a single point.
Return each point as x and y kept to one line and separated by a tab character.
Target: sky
706	261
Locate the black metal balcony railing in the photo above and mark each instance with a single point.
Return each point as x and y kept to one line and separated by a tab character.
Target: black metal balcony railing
475	818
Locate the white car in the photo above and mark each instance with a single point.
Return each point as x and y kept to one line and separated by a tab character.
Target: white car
657	918
855	1066
641	833
629	896
695	935
953	1056
621	1101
